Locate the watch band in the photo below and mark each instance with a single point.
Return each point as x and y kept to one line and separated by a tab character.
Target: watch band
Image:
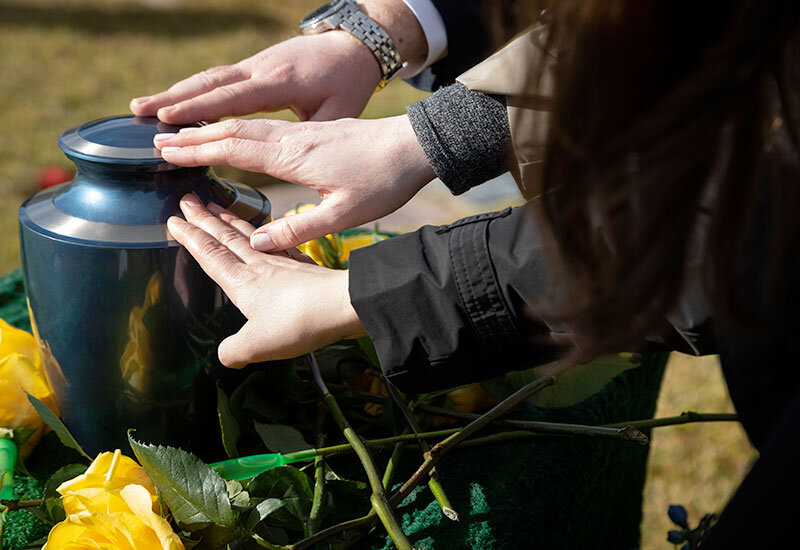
346	15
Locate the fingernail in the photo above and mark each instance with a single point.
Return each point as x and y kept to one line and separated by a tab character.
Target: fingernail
176	220
188	129
144	99
169	149
162	137
190	200
167	110
262	242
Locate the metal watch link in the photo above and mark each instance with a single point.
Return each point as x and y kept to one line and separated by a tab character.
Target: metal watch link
344	14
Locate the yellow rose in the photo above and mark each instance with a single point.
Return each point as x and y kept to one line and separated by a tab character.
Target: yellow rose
112	505
470	398
351	242
21	371
341	244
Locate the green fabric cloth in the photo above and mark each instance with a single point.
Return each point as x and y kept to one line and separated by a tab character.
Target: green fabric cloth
571	493
546	493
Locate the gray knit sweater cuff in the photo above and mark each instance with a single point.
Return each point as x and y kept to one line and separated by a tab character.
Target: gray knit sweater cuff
464	134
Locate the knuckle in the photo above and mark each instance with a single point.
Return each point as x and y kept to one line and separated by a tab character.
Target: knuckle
228	237
210	249
232	147
207	78
233	126
237	285
288	233
283	72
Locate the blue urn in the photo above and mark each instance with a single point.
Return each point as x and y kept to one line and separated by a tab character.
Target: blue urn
126	321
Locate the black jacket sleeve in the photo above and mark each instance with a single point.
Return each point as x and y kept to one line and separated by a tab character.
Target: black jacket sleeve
450	305
445	305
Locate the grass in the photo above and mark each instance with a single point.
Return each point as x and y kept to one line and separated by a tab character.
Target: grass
69	61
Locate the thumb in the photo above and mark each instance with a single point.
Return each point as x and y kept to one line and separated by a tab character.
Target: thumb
240	349
291	231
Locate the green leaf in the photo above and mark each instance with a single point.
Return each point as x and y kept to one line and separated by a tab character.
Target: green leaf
228	424
52	503
369	350
196	494
35	545
215	537
248	398
20	468
291	487
281	439
574	386
330	252
273	535
41	514
342	360
262	511
238	496
51	419
22	435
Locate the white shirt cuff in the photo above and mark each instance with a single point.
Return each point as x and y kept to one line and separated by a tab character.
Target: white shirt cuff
435	34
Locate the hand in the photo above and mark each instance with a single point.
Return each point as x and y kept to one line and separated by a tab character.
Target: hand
320	77
292	306
362	169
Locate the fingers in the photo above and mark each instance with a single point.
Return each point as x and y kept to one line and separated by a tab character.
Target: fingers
224	233
214	258
193	86
232	219
259	130
247	144
245	154
238	98
293	231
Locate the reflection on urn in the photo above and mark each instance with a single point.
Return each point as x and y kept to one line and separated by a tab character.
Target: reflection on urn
135	364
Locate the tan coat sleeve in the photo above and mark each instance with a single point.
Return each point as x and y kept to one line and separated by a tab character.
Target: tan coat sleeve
523	72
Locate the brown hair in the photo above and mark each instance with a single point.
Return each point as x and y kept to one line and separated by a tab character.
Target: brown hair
663	111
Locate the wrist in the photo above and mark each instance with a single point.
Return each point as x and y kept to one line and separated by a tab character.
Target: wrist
355	53
348	325
401	25
414	160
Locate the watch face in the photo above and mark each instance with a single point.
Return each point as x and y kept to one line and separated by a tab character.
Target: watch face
320	12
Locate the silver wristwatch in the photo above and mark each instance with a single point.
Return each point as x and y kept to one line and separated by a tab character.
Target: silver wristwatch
344	14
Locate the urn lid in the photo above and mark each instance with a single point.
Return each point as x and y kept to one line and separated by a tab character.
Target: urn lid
124	192
125	139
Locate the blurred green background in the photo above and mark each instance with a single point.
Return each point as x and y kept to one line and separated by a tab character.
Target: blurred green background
69	61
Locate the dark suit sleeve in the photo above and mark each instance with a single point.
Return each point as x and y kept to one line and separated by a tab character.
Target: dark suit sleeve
469	41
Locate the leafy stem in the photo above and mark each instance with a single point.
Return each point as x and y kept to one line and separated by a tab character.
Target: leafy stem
434	483
11	505
431	458
378	498
318	500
